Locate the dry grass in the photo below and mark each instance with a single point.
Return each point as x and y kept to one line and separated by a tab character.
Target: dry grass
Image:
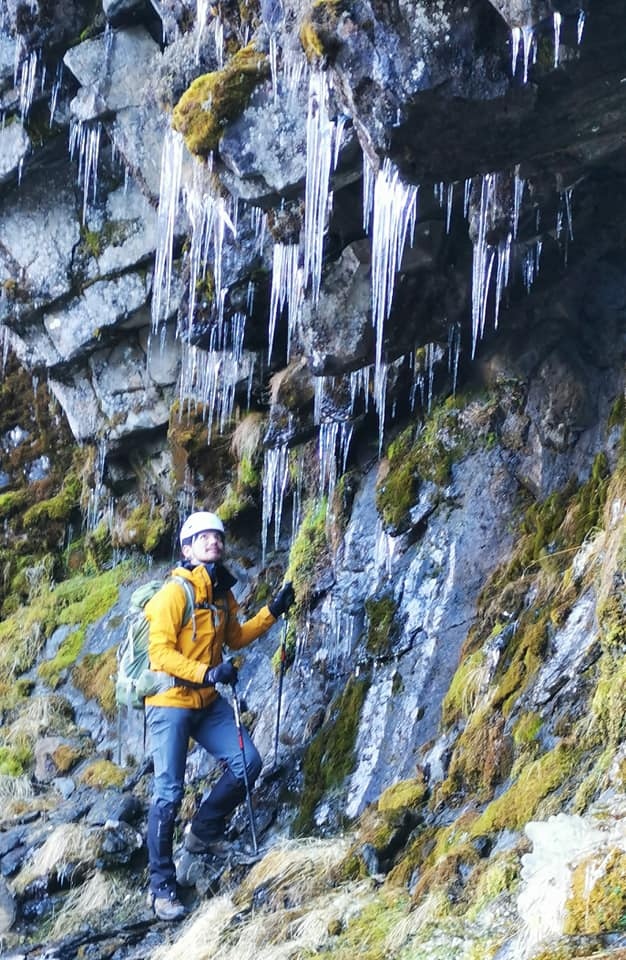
68	845
101	895
299	903
14	789
295	872
41	715
248	436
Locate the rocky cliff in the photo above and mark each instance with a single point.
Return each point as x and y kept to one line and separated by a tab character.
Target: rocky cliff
353	275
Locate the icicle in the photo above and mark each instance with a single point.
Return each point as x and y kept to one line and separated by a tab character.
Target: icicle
516	39
209	378
454	353
430	371
169	199
93	512
502	273
395	206
341	633
294	66
482	261
530	48
274	64
210	218
319	150
384	549
5	342
368	192
297	471
327	442
218	29
286	289
258	222
467	193
518	194
28	79
202	16
530	265
566	198
580	26
359	384
557	20
275	482
85	140
54	94
449	201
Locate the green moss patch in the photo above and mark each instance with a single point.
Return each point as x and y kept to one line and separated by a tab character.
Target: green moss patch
382	627
330	757
308	556
103	773
519	804
94	676
602	908
215	99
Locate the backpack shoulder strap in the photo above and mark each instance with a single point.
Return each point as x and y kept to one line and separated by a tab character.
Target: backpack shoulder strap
190	602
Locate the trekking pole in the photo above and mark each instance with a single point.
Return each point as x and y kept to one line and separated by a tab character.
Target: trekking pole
281	675
255	845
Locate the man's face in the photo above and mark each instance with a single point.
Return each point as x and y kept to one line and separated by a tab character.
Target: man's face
206	547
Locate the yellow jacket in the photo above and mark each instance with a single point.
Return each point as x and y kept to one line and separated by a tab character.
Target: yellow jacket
173	650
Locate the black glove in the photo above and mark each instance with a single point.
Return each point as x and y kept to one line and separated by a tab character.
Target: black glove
225	672
282	601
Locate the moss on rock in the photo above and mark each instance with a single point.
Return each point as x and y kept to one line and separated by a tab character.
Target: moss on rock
381	624
215	99
330	756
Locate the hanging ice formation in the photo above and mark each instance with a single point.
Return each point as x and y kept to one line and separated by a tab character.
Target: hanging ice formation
557	20
287	289
485	255
395	209
210	218
523	38
275	482
54	93
323	138
27	70
169	201
94	513
209	378
85	142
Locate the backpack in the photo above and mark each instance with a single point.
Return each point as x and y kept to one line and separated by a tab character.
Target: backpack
134	679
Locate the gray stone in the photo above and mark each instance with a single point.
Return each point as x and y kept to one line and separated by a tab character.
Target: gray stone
78	327
8	908
117	65
39	230
14	147
117	8
268	141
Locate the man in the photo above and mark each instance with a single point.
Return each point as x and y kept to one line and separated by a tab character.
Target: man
191	707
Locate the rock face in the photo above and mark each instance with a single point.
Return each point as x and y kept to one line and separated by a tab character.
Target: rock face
381	327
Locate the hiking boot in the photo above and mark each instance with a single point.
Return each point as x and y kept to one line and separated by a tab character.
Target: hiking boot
216	848
167	906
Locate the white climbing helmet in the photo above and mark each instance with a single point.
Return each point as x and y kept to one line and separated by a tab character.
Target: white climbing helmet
200	522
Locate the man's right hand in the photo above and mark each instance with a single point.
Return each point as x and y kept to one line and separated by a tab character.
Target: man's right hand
225	672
